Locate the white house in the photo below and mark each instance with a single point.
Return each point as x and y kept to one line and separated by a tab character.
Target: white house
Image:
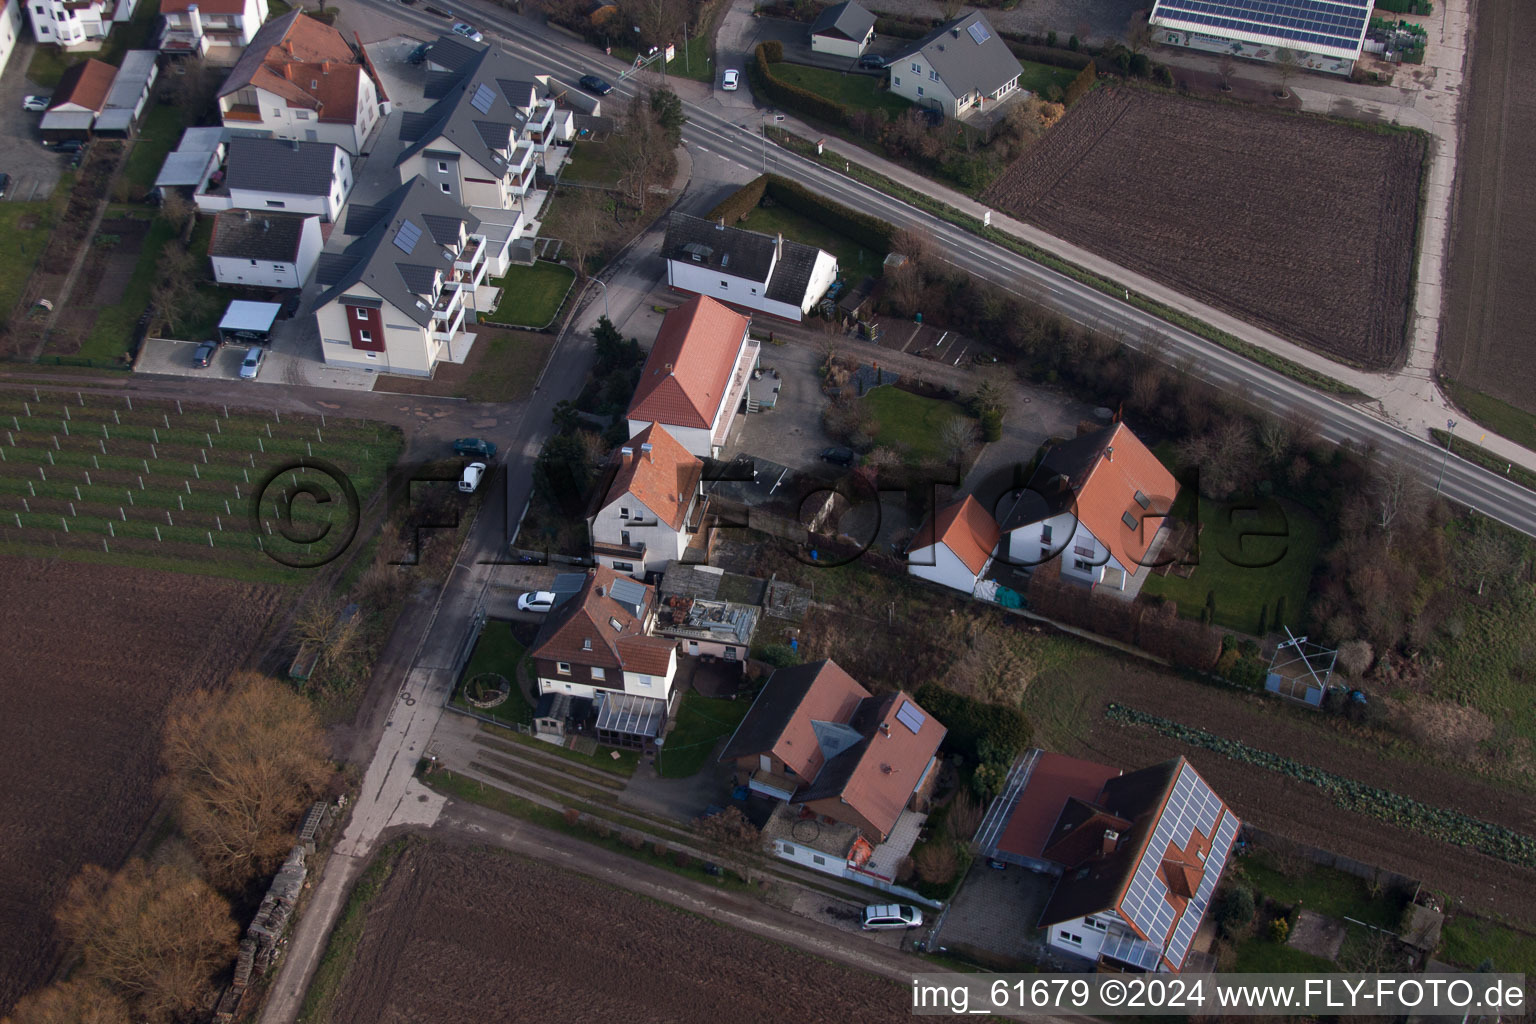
957	67
696	376
299	79
264	250
1138	854
844	30
77	25
216	29
402	292
955	545
280	175
750	270
598	643
1099	503
10	28
651	508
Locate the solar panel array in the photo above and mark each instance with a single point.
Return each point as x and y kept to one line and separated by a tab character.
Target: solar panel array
483	98
1190	806
407	237
1337	23
627	592
909	716
978	32
1215	861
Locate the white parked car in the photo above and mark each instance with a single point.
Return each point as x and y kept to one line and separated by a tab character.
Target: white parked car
536	601
891	915
471	478
251	365
731	80
468	31
36	104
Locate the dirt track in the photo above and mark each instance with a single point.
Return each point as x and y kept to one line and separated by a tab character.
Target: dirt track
92	656
1486	341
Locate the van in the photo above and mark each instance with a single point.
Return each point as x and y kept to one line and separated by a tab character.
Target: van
471	478
891	915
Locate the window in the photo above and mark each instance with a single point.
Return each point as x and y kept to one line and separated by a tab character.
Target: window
598	673
442	166
40	9
788	849
365	336
445	188
362	314
564	668
623	567
276	204
725	284
919	90
1095	924
730	654
933	76
586	644
895	79
253	263
279	267
1045	534
1143	500
303	115
917	68
618	627
623	512
1129	520
1069	937
372	355
277	112
817	858
1082	566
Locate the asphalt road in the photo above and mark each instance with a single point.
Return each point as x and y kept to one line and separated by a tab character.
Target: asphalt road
740	140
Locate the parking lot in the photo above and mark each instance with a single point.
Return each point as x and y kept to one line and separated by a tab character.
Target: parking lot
34	170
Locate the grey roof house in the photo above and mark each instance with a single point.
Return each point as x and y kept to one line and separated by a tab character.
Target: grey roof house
844	29
280	175
958	68
264	250
746	269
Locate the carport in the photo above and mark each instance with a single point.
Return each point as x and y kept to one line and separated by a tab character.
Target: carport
248	322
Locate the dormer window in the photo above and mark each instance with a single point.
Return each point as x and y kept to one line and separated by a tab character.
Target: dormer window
586	644
1129	520
618	627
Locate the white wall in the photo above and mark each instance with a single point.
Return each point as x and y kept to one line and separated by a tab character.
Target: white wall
911	74
68	28
408	349
938	563
263	274
725	413
695	439
1077	936
1067	535
839	46
660	687
740	291
662	543
303	124
814	859
822	276
717	648
10	30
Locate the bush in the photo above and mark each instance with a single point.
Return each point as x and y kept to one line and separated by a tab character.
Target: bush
1235	908
991	425
870	232
793	96
773	51
1072	44
682	858
937	862
572	816
779	655
972	723
1026	50
1279	929
739	204
900	28
1082	83
633	840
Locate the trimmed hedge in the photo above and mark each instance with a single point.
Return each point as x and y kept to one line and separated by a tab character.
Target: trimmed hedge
773	51
1075	61
870	232
1082	84
803	100
900	29
1435	822
971	722
736	206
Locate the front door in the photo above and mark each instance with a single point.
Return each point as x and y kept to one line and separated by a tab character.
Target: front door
626	538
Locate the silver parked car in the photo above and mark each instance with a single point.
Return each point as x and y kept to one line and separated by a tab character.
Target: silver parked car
891	915
251	365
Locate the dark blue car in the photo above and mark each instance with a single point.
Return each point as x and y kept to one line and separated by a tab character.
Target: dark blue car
595	85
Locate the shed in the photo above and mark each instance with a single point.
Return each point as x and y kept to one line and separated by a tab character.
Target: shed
844	29
247	321
129	93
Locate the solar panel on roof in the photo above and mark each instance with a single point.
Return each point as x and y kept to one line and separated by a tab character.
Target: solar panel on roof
483	99
627	591
1335	23
978	32
407	237
909	716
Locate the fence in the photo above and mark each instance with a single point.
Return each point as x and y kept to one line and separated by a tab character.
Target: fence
1328	859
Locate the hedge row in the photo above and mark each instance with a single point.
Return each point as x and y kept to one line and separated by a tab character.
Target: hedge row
1435	822
870	232
803	100
736	206
1071	59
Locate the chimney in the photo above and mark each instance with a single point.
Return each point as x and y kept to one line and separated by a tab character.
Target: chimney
195	21
885	727
778	247
720	224
955	31
246	214
599	591
646	449
266	225
1109	453
627	454
668	367
1111	840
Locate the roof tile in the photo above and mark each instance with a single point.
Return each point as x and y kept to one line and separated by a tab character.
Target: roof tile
965	528
662	480
689	367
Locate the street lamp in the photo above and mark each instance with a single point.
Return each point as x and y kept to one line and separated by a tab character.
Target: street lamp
1450	436
604	286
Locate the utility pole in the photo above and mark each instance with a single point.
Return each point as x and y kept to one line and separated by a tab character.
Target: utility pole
1451	436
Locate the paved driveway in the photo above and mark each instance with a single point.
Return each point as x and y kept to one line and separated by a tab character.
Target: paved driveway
34	170
174	359
790	433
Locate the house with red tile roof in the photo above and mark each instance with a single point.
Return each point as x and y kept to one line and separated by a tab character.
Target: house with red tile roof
215	29
697	376
1098	502
954	546
652	504
817	739
300	79
599	643
78	99
1138	854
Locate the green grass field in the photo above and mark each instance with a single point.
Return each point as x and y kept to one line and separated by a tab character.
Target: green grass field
159	132
594	163
1260	955
157	485
854	261
858	92
497	651
1469	941
531	296
114	325
1324	890
701	723
1038	78
1246	572
911	423
1485	660
25	227
1496	415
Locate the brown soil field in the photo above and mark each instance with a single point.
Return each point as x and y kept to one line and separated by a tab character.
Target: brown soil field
92	657
1486	342
473	934
1303	226
1068	707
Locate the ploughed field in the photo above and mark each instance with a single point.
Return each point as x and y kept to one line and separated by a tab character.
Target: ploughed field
472	934
1487	343
1302	226
92	657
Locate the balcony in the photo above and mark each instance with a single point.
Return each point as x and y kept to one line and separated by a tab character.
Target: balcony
472	255
243	112
523	185
627	552
696	515
443	329
448	300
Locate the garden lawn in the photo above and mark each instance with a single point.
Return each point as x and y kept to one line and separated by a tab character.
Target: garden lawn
25	227
854	261
1324	890
857	92
531	296
701	722
114	325
1261	955
497	651
1246	572
1486	662
911	423
1468	941
596	163
158	135
1038	78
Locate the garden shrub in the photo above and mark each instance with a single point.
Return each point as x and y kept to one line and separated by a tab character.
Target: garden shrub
1235	908
739	204
973	723
773	51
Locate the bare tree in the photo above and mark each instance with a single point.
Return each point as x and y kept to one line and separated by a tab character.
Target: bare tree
154	935
644	156
1226	68
321	627
659	21
733	839
1139	34
177	210
951	9
581	228
957	437
1274	438
77	1001
937	862
1398	499
1287	63
177	274
1485	555
243	766
1356	657
964	816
